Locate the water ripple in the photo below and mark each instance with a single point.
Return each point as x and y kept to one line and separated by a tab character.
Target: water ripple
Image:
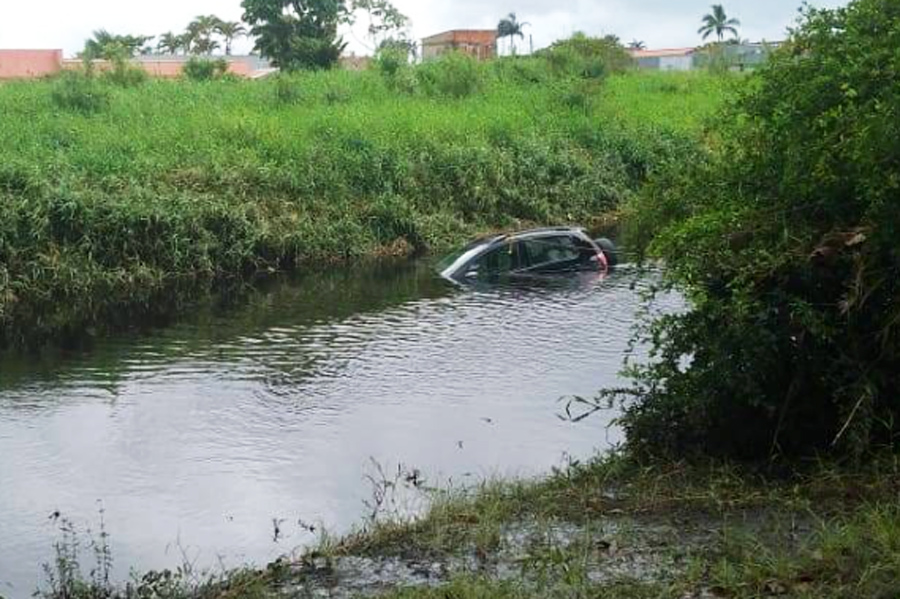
274	409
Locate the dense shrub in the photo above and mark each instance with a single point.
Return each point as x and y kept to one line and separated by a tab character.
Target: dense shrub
454	75
587	57
80	92
201	69
392	61
785	241
124	74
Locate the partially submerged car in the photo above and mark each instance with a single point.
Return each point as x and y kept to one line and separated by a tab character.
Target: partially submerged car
529	254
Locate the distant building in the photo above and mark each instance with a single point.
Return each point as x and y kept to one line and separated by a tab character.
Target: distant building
32	64
479	43
737	56
741	56
673	59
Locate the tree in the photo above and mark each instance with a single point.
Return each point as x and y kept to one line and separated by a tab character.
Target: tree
400	45
169	43
185	41
297	34
107	46
590	57
230	30
201	31
384	20
783	234
718	22
637	45
510	27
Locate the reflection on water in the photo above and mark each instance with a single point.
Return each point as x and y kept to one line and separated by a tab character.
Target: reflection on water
197	436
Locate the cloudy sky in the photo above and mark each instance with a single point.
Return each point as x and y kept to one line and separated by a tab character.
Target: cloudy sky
659	23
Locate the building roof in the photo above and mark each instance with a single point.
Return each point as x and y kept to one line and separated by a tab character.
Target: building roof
662	53
461	35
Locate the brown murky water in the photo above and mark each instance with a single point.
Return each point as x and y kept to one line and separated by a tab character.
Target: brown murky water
196	438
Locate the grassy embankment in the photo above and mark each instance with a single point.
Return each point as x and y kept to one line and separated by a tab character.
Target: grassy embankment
612	528
606	529
105	205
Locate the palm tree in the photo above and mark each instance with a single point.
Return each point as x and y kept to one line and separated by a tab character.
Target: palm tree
206	45
201	30
230	30
718	22
637	45
169	43
510	27
108	46
185	42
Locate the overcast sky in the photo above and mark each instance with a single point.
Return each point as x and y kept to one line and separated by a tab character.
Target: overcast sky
659	23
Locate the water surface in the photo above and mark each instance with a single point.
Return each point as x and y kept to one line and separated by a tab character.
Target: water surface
196	438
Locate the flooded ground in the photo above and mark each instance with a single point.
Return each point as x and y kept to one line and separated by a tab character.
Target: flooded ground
220	439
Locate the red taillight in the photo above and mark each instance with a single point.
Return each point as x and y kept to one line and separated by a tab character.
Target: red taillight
600	259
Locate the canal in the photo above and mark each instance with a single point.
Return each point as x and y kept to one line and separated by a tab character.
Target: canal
219	439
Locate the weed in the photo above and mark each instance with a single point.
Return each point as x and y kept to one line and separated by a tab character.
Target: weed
201	69
184	184
65	578
455	75
79	92
287	92
124	74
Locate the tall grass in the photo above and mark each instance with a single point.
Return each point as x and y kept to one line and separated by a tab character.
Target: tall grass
180	181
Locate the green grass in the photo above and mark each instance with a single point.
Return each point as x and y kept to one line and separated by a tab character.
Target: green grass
104	203
679	102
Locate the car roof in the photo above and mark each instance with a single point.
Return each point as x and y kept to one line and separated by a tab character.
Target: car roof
545	231
529	233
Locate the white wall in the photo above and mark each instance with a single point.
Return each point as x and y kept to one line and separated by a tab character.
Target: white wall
676	63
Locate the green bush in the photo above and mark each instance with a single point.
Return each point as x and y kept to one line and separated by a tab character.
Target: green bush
454	75
392	62
784	239
79	92
202	69
587	57
123	74
287	90
521	69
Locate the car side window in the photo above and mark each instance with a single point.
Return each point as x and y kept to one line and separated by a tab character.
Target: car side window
587	252
503	259
547	250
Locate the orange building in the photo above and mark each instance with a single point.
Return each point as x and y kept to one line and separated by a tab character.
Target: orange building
480	43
